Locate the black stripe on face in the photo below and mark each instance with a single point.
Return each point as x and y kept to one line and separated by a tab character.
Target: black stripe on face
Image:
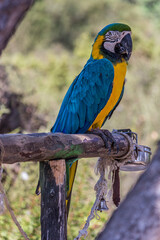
113	57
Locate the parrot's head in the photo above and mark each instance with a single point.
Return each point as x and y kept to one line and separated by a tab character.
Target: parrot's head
113	42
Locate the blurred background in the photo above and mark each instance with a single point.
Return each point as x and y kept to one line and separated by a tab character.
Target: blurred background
49	49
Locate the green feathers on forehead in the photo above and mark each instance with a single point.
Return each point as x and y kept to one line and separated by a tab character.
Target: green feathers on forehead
115	27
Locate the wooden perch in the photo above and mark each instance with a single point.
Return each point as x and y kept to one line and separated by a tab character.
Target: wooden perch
48	146
11	14
53	204
58	146
138	216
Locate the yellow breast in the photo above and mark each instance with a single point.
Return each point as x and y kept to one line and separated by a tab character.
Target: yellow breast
119	75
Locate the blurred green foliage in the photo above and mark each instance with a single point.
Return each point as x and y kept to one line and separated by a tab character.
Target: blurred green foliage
49	49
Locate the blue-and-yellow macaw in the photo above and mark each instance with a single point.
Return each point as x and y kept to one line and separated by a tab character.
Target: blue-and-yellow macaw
97	90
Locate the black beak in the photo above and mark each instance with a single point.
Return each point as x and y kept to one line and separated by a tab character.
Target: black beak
124	48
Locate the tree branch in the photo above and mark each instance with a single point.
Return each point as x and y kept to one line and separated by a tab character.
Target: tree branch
49	146
138	216
11	14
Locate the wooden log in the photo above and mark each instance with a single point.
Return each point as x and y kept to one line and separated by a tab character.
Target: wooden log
138	216
49	146
53	205
11	14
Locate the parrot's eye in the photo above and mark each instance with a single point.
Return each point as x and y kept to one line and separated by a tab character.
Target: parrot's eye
112	36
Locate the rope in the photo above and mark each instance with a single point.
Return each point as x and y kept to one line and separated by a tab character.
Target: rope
104	187
3	196
130	155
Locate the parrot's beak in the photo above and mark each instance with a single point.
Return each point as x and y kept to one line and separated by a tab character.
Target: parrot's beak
124	48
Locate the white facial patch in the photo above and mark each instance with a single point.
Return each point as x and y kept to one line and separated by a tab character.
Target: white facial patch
112	38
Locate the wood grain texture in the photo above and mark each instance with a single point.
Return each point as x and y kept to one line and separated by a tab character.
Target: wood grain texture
53	204
49	146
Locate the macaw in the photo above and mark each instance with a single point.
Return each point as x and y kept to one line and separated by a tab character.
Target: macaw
97	90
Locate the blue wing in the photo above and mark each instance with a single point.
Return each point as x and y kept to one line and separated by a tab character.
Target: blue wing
86	97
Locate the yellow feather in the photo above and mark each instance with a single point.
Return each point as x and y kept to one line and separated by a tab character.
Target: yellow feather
96	48
119	75
72	173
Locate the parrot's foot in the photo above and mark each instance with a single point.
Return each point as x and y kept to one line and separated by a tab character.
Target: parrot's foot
107	137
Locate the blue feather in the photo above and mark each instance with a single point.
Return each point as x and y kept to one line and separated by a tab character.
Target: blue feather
86	97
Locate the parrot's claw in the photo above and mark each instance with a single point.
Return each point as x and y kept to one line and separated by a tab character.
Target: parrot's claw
107	137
